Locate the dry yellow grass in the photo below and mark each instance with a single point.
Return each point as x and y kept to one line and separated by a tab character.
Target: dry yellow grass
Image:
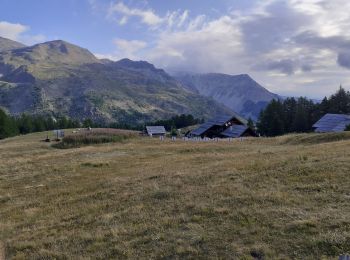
263	198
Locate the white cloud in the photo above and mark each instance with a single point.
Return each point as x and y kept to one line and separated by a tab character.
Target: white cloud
19	32
293	47
172	20
12	31
32	39
147	16
124	49
329	18
200	47
124	20
129	48
176	19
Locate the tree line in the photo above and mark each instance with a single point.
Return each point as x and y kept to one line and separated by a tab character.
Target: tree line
290	115
24	124
293	115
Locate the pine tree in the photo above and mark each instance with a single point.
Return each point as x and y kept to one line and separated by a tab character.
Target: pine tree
303	119
25	124
289	110
8	126
251	123
173	131
39	124
339	103
87	123
271	120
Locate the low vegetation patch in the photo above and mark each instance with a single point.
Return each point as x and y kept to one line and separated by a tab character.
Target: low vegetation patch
95	136
94	165
315	138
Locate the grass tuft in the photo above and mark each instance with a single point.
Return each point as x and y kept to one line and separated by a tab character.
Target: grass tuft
161	195
314	138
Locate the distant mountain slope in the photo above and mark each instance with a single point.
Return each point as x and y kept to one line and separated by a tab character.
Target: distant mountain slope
6	44
240	93
60	78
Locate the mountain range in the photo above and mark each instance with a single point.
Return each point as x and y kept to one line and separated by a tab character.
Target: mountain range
59	78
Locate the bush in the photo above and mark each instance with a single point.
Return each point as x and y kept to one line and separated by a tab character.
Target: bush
173	132
95	137
347	128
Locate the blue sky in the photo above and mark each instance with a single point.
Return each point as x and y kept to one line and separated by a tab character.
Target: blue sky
292	47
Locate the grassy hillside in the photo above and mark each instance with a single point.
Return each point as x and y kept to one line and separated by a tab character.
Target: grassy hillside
143	198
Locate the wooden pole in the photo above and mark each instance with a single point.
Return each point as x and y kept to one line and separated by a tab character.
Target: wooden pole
2	251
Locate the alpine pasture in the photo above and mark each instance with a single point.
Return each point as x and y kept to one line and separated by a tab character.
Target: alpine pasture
285	198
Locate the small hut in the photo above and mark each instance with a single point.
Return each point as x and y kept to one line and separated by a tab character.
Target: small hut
155	131
332	123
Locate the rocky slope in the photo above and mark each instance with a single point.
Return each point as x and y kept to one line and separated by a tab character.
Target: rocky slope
6	44
240	93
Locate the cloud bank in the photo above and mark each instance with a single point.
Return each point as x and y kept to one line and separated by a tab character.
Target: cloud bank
293	47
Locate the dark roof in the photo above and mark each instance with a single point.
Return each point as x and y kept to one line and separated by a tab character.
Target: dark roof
218	120
155	130
235	131
332	123
222	119
202	128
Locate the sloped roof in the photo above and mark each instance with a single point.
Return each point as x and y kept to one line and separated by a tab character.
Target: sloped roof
218	120
202	128
222	119
155	130
235	131
332	123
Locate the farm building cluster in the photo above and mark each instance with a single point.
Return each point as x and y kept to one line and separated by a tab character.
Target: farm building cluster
232	126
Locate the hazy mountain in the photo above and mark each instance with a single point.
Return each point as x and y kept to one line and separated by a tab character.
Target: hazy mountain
240	93
60	78
6	44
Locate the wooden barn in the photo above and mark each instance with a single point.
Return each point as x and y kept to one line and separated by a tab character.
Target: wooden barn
332	123
232	126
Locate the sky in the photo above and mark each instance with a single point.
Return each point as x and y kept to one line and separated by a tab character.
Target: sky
291	47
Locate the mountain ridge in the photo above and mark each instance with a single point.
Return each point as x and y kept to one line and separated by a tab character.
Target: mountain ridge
61	78
57	77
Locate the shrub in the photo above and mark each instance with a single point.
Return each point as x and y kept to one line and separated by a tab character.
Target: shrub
95	137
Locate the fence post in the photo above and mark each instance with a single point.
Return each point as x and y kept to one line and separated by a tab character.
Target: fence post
2	251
